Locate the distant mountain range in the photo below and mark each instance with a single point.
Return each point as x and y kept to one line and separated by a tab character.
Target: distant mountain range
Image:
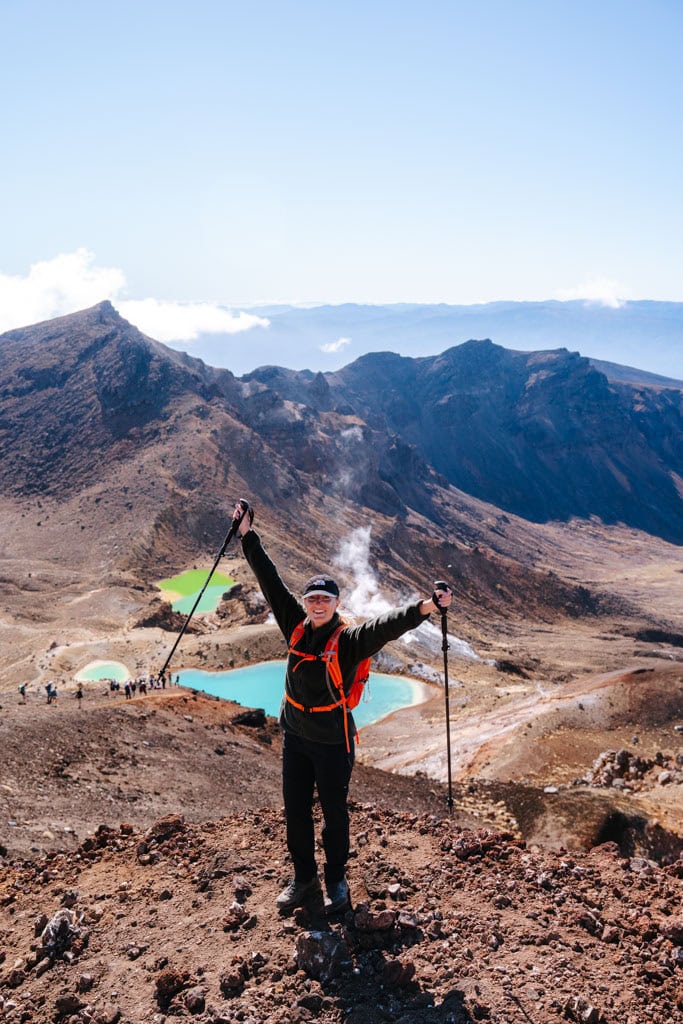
544	435
645	335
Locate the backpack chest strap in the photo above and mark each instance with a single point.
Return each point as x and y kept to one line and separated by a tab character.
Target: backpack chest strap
330	657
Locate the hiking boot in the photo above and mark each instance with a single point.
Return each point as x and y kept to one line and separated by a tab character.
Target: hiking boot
297	893
338	897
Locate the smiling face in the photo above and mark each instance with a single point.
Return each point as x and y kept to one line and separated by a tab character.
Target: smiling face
320	608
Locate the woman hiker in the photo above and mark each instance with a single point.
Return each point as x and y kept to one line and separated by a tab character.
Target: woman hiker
318	747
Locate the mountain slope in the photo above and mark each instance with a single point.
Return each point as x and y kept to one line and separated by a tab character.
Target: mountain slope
82	389
543	435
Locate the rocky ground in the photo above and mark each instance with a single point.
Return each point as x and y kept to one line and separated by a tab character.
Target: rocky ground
447	925
139	875
626	770
68	768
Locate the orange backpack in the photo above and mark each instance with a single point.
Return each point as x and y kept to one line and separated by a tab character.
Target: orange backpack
331	658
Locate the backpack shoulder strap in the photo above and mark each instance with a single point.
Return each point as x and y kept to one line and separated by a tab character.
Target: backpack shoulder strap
297	633
331	656
332	645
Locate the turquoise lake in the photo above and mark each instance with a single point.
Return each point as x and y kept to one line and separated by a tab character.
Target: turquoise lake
261	686
98	670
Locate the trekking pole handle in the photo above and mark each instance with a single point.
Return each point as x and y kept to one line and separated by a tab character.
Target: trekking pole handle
246	507
237	518
440	585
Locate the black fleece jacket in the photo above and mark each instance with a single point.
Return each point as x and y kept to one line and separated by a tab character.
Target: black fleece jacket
308	685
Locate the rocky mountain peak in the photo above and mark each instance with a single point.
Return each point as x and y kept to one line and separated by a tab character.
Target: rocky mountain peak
544	435
73	389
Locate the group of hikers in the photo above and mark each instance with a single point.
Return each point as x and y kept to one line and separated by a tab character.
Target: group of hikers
51	692
142	684
130	687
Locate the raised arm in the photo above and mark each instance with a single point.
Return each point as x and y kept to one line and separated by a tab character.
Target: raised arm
284	605
358	642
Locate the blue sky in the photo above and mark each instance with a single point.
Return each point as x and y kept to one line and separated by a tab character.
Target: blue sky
221	154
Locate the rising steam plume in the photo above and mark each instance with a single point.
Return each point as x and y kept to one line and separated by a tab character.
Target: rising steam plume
366	600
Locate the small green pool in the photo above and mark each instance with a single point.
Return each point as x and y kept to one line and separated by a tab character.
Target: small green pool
182	590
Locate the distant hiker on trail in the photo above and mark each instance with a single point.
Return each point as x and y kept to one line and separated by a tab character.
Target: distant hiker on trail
318	729
126	690
51	692
22	692
79	694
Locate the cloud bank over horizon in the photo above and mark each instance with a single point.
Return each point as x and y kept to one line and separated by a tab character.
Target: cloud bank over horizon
73	281
599	291
595	319
185	321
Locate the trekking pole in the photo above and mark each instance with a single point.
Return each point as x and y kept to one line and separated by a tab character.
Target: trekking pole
440	585
246	510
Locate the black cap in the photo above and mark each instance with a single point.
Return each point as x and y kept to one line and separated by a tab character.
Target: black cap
321	584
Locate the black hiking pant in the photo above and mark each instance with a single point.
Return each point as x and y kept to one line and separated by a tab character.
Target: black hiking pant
327	767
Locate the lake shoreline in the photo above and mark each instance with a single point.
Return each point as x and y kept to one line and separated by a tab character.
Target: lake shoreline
418	691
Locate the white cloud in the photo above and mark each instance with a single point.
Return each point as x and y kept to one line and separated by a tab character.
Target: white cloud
73	281
335	346
69	282
599	290
185	321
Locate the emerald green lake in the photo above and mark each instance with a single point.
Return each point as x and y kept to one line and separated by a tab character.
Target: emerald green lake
182	590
